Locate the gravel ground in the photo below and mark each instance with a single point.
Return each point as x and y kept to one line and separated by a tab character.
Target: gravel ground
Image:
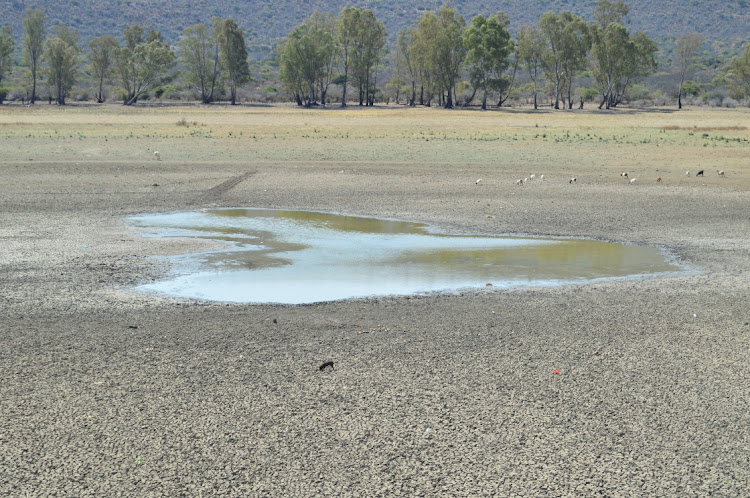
108	392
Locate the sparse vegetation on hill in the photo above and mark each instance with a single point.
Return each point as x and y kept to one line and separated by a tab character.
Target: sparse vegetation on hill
269	20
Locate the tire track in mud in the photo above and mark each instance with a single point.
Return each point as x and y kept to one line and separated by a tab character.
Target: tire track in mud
227	185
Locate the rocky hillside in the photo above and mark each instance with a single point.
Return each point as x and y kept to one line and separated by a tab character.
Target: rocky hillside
726	21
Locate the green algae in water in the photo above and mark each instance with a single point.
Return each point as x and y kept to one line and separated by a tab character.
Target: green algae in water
295	257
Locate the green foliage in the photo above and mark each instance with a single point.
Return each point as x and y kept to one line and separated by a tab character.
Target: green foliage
61	53
307	58
233	55
617	58
143	62
691	88
367	52
438	51
101	56
33	44
589	94
489	44
568	41
740	74
199	52
6	50
531	51
687	48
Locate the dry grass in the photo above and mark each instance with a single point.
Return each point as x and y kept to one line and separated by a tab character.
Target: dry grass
589	143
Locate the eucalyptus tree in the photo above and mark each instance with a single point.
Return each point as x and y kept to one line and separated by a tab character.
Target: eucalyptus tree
404	63
619	59
438	45
233	55
686	52
568	42
531	52
199	52
290	73
309	54
488	44
368	52
61	53
400	75
423	40
143	62
6	60
347	30
740	72
102	51
608	12
33	44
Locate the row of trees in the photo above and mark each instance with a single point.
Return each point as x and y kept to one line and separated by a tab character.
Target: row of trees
314	51
433	55
429	63
431	58
210	54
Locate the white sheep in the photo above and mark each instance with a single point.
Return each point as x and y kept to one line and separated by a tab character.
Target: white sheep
541	178
157	155
526	179
478	181
519	182
572	180
532	177
721	173
624	174
632	181
687	173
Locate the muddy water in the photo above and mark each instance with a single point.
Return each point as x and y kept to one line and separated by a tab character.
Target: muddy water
295	257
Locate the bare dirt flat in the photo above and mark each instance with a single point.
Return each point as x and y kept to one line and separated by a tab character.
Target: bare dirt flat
106	391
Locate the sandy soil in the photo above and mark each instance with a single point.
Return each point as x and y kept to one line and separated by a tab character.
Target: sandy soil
106	391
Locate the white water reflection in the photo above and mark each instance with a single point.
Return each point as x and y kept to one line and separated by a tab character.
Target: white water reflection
294	257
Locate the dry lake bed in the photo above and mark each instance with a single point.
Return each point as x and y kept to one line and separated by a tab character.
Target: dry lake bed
627	386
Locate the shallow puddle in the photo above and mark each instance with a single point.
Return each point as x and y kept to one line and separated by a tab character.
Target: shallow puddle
295	257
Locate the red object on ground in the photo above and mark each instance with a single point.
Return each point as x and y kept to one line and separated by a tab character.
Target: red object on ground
556	372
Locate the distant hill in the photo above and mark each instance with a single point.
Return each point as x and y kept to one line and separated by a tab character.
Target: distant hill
724	21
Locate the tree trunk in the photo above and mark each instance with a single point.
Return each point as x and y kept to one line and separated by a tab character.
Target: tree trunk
679	100
413	93
346	80
421	95
33	85
484	97
100	97
557	96
470	99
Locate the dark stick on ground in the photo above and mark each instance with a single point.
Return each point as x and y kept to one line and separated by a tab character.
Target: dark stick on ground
326	365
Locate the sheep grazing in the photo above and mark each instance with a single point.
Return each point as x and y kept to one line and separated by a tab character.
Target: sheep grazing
532	177
687	173
479	181
632	181
526	179
624	174
572	180
658	180
700	173
541	178
720	172
157	155
519	182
